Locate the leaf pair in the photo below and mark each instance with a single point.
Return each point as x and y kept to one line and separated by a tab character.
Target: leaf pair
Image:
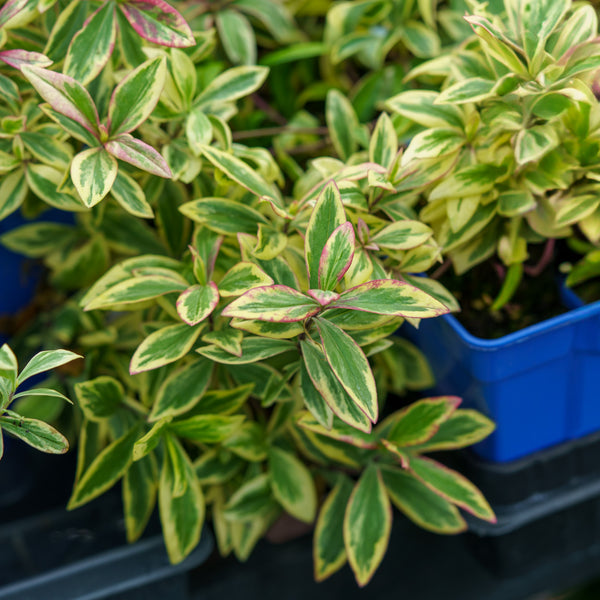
34	432
94	170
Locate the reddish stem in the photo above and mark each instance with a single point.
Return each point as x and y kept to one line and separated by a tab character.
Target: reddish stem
547	255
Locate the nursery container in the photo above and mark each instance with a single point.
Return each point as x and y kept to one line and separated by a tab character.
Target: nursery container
539	385
82	555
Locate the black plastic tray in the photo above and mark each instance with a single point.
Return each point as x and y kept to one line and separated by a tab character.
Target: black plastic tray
558	468
540	529
82	555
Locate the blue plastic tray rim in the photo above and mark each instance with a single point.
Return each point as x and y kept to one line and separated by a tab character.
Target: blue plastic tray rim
571	316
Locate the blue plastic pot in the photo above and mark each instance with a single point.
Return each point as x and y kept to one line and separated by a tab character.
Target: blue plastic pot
539	385
18	276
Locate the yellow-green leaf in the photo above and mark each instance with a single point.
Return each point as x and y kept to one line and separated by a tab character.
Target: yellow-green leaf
367	525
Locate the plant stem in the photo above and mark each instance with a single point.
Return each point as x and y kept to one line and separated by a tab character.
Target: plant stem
441	269
545	259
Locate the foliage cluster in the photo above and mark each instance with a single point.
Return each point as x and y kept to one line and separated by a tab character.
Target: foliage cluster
236	302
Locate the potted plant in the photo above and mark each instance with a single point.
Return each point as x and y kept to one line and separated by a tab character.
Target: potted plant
235	306
505	162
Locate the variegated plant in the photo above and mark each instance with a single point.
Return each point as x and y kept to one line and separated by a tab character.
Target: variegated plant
507	150
236	304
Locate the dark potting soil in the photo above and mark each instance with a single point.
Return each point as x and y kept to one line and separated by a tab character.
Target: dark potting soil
536	299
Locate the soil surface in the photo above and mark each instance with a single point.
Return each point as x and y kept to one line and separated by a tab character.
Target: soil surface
536	300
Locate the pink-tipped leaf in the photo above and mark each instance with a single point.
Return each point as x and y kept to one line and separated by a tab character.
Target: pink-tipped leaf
158	22
277	303
21	58
391	297
66	96
139	154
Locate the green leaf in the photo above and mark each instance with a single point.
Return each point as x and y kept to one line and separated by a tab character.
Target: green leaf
198	130
418	422
223	216
93	172
249	442
217	466
254	349
66	96
494	47
367	525
402	235
266	329
181	516
163	347
513	203
390	297
46	361
90	49
44	181
551	105
422	506
275	17
331	389
292	485
227	339
463	428
242	174
251	500
128	193
37	434
576	208
8	362
329	553
270	243
47	149
533	143
241	278
99	398
342	123
105	470
277	303
237	37
207	429
383	146
13	191
420	106
350	366
197	303
327	215
339	431
452	486
422	41
231	85
136	289
337	256
150	440
69	22
313	399
469	90
581	26
182	390
296	52
139	497
136	96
